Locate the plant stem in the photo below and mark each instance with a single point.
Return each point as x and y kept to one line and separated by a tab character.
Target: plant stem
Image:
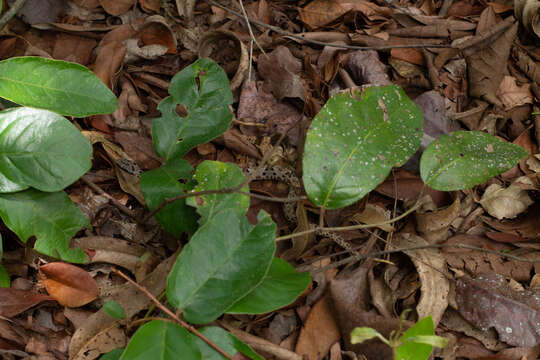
163	308
8	15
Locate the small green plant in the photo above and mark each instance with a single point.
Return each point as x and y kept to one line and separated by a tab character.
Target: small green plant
228	265
414	344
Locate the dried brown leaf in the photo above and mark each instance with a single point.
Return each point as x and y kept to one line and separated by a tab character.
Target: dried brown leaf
512	95
13	301
505	202
431	268
117	7
488	302
68	284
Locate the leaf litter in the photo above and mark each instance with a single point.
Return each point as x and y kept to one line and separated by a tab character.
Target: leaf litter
136	47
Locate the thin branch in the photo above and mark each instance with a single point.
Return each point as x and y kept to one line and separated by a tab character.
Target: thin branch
322	43
8	15
163	308
352	227
114	201
253	38
421	247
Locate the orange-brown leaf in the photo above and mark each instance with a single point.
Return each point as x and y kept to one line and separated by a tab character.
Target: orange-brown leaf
70	285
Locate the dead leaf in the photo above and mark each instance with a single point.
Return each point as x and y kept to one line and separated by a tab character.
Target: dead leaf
505	203
374	214
68	284
116	7
321	12
478	262
486	66
434	226
106	340
512	95
431	268
366	68
73	48
13	301
527	226
318	333
131	300
487	301
280	71
150	5
42	11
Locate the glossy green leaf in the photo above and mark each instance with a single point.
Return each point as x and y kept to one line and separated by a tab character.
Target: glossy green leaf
465	159
433	340
114	310
112	355
203	89
5	281
63	87
226	341
161	340
223	261
51	217
361	334
410	350
41	149
215	175
352	144
163	182
280	287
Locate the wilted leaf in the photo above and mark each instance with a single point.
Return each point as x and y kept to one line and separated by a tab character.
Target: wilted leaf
488	301
224	340
352	145
431	269
224	260
505	203
13	301
361	334
215	175
280	287
51	217
41	149
63	87
70	285
164	182
203	89
161	340
465	159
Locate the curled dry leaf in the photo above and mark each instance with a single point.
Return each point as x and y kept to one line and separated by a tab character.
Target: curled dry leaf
512	95
374	214
488	302
13	301
431	268
434	226
106	340
505	203
70	285
527	13
215	39
116	7
527	226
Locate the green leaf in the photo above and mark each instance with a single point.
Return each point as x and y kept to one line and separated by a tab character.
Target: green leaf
52	217
5	281
161	340
112	355
224	260
432	340
361	334
280	287
41	149
226	341
63	87
163	182
203	89
465	159
114	310
410	350
215	175
352	144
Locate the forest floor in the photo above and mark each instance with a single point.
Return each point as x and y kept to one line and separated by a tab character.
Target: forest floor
467	64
